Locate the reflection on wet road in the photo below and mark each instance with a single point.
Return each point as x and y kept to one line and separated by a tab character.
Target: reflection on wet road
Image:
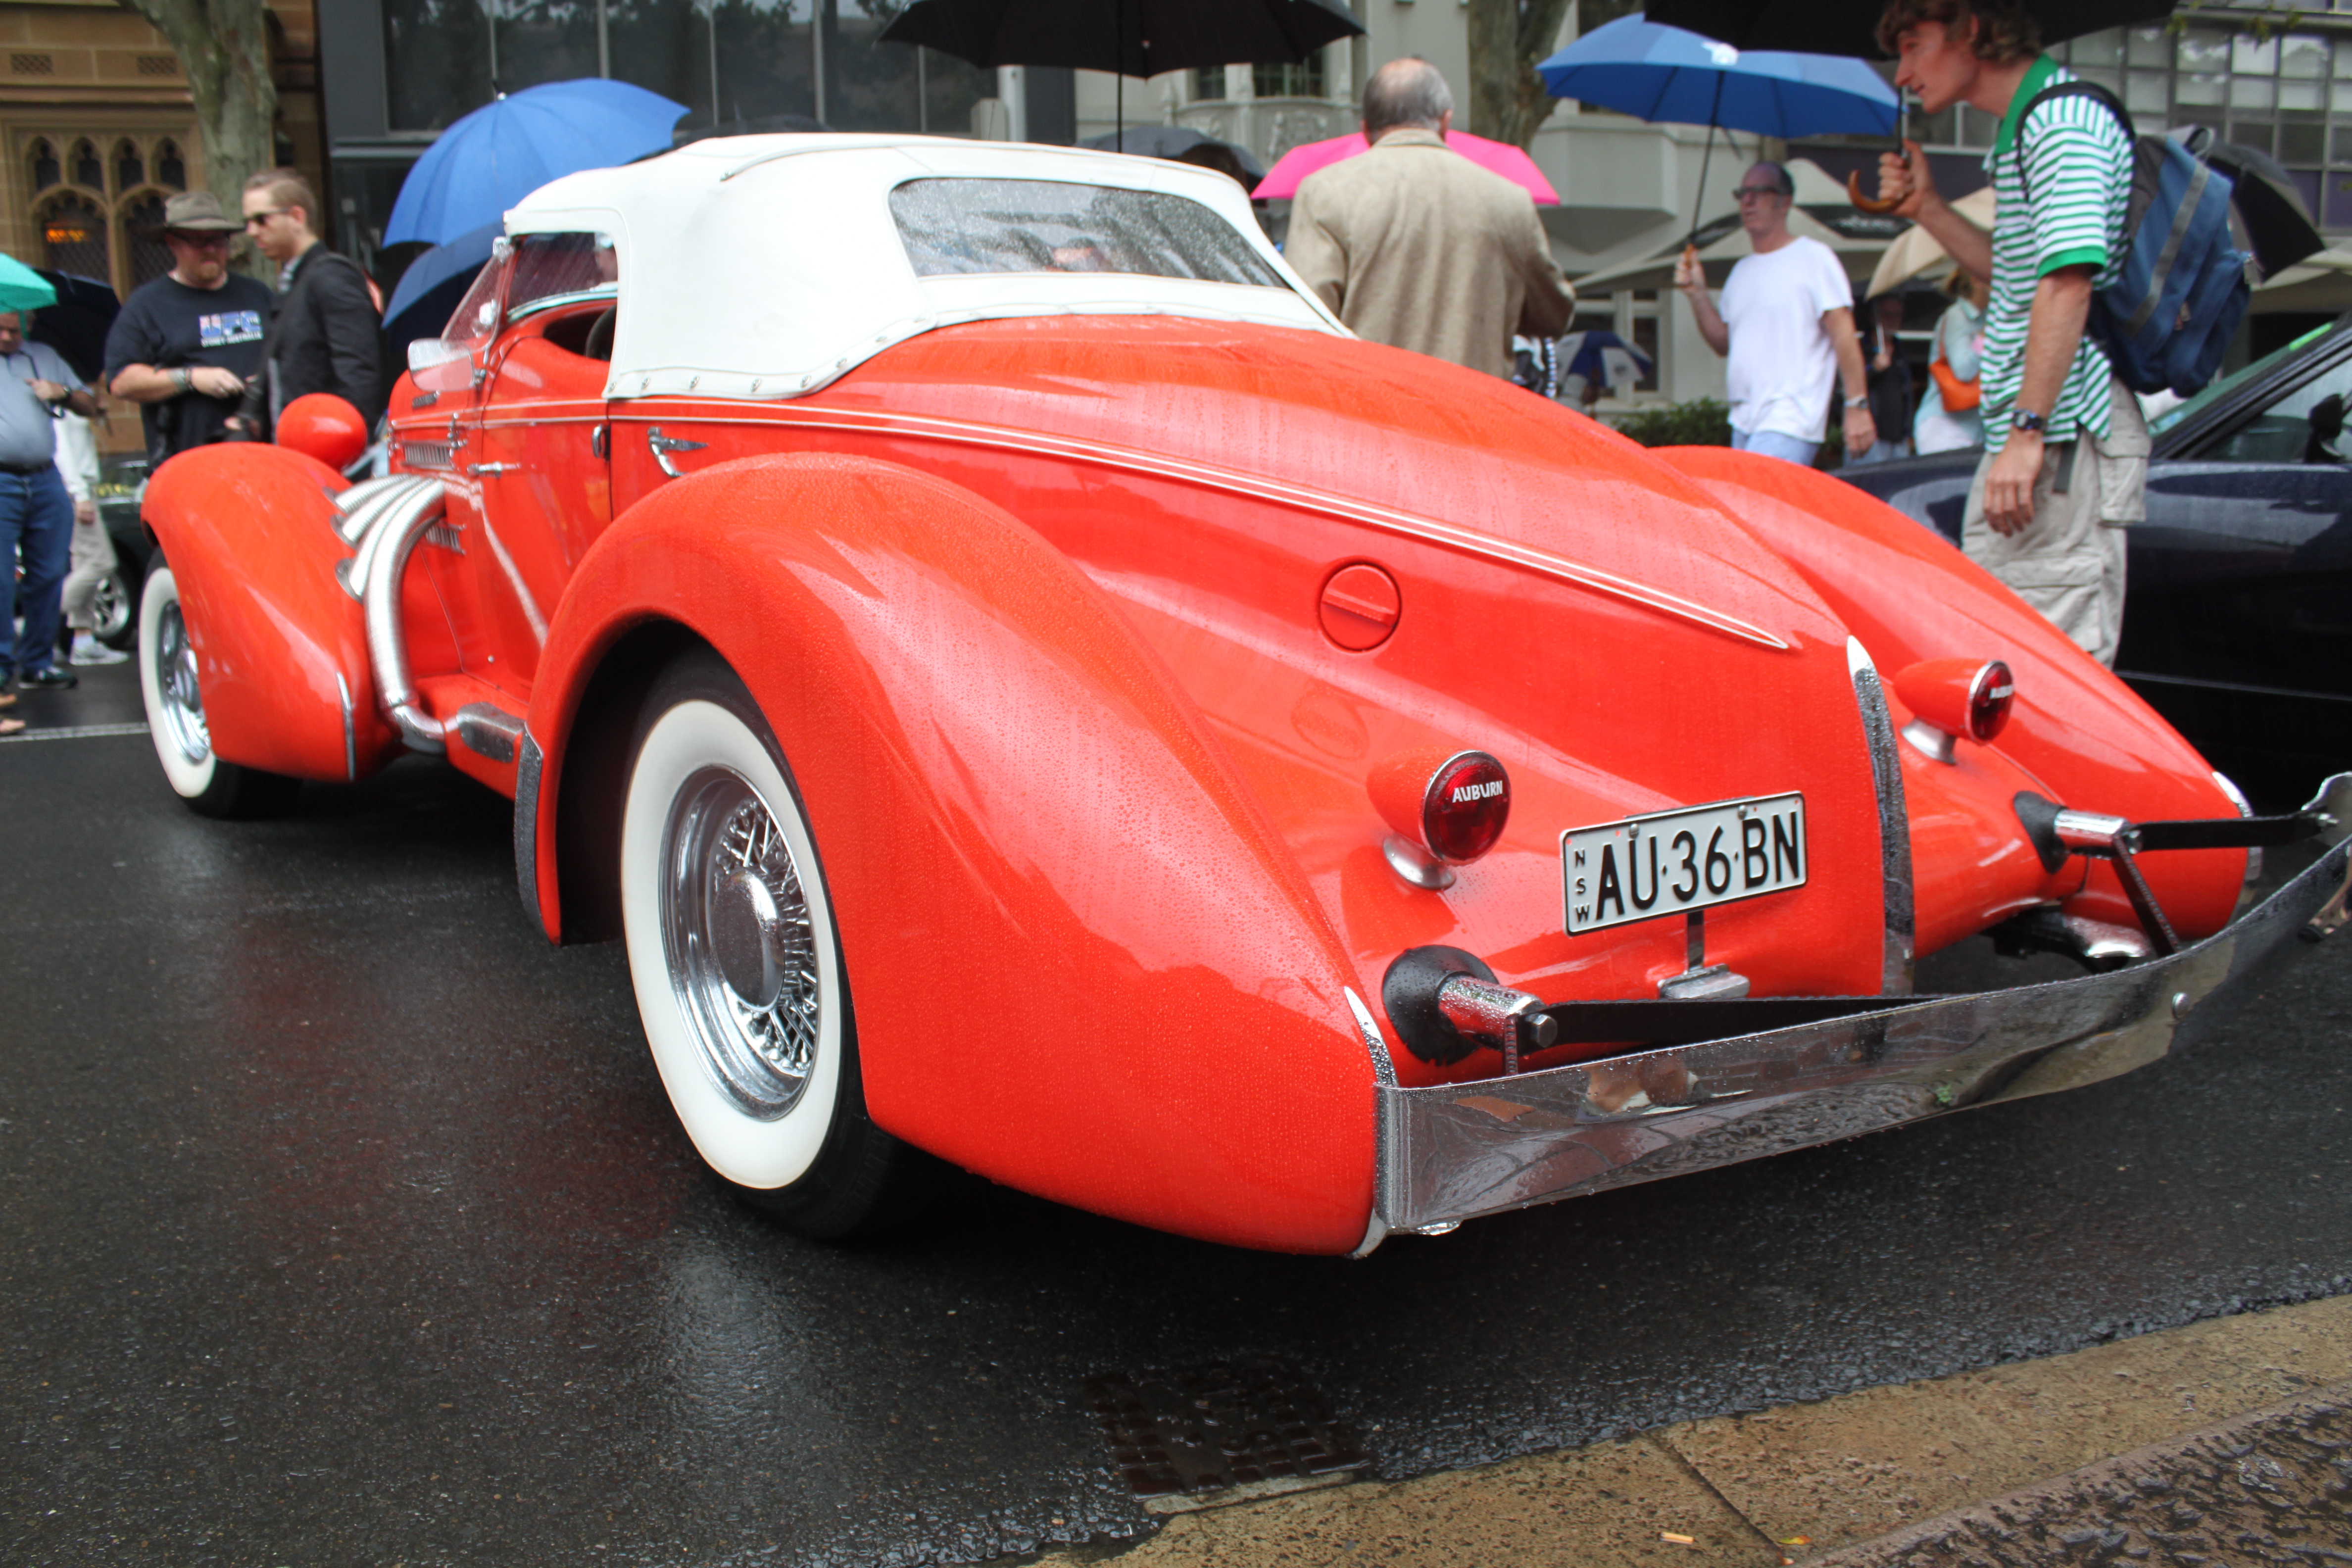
344	1222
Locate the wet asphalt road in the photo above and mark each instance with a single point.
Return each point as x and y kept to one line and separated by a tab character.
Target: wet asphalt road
342	1221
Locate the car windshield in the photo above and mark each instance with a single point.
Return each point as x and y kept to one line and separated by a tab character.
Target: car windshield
2182	412
964	226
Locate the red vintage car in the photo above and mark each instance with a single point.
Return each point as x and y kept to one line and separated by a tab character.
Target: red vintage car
1029	688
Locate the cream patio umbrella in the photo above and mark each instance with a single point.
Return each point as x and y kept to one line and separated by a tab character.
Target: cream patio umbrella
1915	250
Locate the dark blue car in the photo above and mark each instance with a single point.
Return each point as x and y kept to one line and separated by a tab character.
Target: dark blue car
2238	616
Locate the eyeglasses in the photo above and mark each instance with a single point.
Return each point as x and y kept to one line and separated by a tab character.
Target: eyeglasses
1758	193
252	218
207	241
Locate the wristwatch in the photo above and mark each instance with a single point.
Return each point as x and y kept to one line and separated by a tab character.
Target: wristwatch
2024	421
1862	402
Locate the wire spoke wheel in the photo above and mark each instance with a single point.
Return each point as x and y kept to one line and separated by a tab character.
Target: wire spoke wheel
738	967
736	934
181	707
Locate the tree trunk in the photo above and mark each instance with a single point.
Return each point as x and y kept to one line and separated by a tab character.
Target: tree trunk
1507	101
224	47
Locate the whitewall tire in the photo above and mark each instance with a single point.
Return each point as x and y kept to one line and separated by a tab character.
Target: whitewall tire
735	962
175	715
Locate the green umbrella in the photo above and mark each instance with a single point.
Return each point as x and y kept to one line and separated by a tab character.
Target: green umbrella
21	288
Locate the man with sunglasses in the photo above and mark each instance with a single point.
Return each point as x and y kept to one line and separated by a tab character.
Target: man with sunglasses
1787	326
326	333
186	343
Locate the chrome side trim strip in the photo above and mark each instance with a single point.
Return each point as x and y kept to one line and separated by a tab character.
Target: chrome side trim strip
1463	541
1472	1149
386	557
351	738
530	610
1376	1228
1894	819
526	826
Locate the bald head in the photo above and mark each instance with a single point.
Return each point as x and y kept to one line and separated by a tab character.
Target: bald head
1407	92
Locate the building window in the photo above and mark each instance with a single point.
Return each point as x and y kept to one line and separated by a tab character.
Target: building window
1302	80
170	170
46	170
1208	83
73	234
87	169
2287	96
142	217
129	169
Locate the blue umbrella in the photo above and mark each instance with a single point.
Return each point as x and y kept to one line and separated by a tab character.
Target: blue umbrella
1665	74
1601	358
502	152
434	282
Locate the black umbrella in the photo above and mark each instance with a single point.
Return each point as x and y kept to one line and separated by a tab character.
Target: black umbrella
1851	26
2272	222
1132	37
77	325
1182	144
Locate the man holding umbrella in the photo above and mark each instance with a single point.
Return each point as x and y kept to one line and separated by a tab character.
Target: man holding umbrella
2065	465
1787	326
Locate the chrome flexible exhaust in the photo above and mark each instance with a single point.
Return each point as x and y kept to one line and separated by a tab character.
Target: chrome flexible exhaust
383	558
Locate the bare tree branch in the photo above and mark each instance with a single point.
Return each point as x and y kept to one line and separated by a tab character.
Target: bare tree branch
1507	101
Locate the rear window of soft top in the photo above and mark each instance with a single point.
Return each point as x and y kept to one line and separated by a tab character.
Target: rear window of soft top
976	225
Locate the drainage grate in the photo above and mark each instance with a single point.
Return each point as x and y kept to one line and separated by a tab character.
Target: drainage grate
1252	1422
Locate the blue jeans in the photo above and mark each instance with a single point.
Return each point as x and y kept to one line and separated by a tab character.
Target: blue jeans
35	521
1880	452
1772	444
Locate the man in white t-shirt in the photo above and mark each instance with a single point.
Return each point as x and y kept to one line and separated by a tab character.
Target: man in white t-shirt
1787	325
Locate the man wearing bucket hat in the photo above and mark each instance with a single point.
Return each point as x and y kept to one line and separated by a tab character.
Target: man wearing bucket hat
186	343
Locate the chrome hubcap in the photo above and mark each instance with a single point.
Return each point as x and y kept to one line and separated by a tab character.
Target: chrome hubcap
176	681
110	608
735	931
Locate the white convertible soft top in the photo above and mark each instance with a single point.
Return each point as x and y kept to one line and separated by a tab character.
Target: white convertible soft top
767	266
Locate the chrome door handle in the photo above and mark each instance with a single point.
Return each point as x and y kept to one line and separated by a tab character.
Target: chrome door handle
492	467
663	446
600	441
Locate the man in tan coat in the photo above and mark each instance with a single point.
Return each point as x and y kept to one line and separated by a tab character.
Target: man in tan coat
1413	245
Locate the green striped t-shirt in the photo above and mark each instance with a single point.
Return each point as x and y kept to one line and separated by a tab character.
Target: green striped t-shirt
2078	170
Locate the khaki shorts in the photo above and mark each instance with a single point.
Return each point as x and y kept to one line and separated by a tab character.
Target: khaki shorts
92	554
2068	562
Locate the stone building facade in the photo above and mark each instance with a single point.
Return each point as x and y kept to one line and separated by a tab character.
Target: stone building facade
97	130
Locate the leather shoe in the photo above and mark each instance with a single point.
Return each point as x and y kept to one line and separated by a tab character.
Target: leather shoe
49	679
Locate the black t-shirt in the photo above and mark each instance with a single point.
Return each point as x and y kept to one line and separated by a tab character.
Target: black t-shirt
168	325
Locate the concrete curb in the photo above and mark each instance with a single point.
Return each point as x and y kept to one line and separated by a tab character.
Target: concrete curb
1806	1483
2273	1487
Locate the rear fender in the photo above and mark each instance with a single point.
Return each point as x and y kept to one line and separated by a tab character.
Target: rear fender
2087	738
281	653
1082	961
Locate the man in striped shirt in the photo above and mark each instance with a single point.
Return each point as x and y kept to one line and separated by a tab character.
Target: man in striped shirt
2065	465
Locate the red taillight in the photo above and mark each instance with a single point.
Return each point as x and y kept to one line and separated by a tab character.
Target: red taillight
1970	697
1450	804
1469	800
1991	692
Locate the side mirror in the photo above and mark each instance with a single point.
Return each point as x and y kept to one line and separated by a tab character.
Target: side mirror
2326	421
424	354
443	365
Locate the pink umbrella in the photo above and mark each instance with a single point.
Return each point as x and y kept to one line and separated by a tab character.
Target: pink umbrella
1497	157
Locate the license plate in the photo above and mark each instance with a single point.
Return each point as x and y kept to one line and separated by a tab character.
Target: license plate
1675	862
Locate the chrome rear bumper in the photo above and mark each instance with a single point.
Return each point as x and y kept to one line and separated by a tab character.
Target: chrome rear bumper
1457	1152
